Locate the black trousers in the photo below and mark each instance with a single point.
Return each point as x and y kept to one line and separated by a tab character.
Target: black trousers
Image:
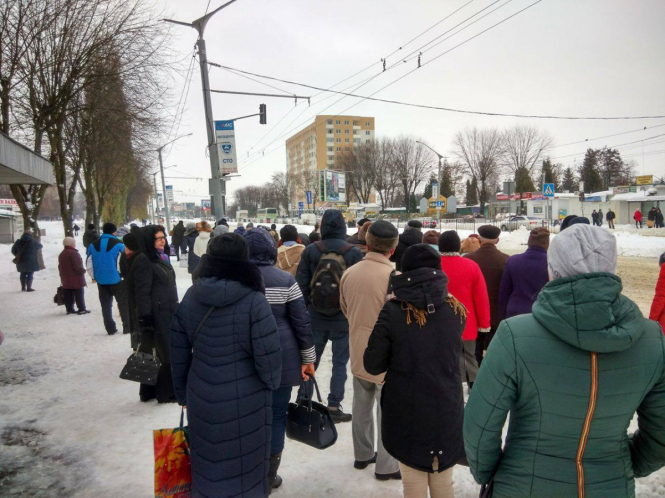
106	295
177	251
74	295
26	279
482	343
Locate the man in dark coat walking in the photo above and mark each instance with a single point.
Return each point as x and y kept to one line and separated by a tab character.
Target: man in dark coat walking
491	262
178	237
411	236
610	217
89	236
25	252
72	277
333	328
524	276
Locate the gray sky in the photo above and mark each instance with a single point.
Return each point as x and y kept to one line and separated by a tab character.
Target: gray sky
559	57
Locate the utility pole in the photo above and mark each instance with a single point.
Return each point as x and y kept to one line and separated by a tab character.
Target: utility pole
438	185
217	185
161	169
156	213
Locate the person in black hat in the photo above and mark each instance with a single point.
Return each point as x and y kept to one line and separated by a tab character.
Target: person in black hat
417	341
90	235
412	235
492	263
353	239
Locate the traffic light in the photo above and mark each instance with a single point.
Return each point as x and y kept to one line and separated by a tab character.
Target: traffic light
263	118
582	197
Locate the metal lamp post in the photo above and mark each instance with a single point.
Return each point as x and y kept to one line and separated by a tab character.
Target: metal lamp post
438	183
161	169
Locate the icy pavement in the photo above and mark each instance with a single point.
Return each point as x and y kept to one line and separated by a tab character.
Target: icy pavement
69	427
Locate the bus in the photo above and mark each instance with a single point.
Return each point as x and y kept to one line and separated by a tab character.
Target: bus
267	215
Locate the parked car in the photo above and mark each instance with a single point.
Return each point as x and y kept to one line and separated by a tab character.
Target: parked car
429	223
516	222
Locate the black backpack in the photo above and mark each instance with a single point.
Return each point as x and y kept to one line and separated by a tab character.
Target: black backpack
324	287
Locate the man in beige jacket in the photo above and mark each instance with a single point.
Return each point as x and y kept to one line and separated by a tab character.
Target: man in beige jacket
363	292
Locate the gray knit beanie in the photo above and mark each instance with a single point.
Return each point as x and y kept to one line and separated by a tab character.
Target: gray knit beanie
582	249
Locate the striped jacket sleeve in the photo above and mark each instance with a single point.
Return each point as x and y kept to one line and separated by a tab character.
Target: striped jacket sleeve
299	317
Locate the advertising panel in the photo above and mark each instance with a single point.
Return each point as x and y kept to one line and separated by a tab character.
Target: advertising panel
169	194
334	186
225	137
205	204
644	180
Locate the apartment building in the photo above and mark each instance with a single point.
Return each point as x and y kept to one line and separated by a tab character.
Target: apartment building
321	145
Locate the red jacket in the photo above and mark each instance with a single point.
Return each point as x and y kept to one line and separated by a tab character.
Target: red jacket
72	272
467	284
658	306
638	215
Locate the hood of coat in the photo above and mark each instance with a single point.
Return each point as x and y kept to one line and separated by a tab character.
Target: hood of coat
262	247
332	225
421	287
224	281
589	312
26	237
411	237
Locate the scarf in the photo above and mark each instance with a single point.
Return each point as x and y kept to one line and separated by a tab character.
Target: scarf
163	256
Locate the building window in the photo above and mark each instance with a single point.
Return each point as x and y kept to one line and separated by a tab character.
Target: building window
366	123
368	132
337	122
346	140
338	140
330	149
356	132
346	122
346	132
367	141
338	131
339	149
330	121
355	123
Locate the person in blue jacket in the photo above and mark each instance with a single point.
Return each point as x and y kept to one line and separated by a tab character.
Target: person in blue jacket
225	373
102	257
295	336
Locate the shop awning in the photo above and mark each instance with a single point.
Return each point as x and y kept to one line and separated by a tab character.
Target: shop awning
21	166
637	197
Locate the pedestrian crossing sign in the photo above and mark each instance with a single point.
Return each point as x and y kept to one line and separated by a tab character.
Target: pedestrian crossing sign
548	191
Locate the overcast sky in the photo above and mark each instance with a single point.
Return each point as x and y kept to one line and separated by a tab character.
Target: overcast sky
559	57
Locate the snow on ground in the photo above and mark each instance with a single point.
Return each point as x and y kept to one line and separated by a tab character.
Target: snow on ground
69	427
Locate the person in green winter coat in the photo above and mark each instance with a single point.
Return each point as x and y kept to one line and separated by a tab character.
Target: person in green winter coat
572	374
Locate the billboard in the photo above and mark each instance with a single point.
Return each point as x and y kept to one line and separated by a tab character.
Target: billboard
333	186
205	204
225	138
169	194
644	180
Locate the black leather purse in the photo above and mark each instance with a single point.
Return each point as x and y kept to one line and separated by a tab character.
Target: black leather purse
142	367
310	422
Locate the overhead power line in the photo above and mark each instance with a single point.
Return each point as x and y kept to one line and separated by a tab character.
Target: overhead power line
614	146
606	136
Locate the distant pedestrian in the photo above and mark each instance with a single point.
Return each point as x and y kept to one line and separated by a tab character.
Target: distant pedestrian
658	305
353	239
412	235
240	229
361	242
76	230
201	244
610	217
417	343
600	217
25	252
363	292
524	276
154	297
89	236
467	283
102	258
491	262
638	218
290	251
249	226
221	228
72	277
659	218
178	238
594	217
191	234
274	234
225	375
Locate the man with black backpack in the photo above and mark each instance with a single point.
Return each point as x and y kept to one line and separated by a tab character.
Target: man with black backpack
319	275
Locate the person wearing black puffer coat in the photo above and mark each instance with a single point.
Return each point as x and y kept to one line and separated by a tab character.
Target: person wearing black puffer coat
412	235
226	373
153	298
295	336
417	341
187	246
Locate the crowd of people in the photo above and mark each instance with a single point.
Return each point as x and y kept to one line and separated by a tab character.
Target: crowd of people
546	336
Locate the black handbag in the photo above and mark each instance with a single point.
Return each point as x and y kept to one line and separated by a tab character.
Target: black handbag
142	367
59	297
486	490
310	422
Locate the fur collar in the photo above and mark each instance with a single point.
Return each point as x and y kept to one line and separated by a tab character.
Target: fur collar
243	272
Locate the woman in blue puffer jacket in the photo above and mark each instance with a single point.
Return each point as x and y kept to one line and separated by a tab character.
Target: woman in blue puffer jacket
295	335
226	373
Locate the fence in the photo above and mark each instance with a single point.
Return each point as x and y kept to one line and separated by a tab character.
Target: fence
505	226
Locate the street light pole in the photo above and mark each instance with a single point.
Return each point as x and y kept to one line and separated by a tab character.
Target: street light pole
161	169
438	185
217	184
154	181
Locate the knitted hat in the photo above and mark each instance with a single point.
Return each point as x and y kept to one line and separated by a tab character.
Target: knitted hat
582	249
489	232
382	236
69	242
362	233
109	228
539	237
415	224
579	219
229	246
131	242
431	237
450	242
420	256
191	225
289	233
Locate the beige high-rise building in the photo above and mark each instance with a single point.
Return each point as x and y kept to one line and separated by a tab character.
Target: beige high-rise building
320	146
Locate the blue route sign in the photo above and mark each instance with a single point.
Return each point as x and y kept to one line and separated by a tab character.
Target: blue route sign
548	191
309	196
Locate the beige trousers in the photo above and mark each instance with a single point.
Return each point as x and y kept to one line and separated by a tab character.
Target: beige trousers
416	482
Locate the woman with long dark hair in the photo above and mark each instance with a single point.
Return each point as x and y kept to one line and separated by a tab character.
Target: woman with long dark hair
153	298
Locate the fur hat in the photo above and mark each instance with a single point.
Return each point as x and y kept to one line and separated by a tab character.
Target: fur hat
431	237
362	232
582	249
421	256
229	246
204	226
382	236
109	228
450	242
539	237
69	242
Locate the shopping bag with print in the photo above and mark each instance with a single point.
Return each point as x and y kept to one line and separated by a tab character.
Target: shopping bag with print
173	473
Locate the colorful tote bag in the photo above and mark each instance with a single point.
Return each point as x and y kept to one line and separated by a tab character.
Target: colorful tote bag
173	472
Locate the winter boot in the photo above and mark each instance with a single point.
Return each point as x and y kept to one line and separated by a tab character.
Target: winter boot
22	277
274	480
29	285
338	416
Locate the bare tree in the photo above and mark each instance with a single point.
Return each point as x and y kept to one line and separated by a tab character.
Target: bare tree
414	164
480	151
281	185
360	167
386	179
523	148
309	180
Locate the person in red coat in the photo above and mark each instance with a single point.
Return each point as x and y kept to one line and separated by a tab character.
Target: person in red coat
72	276
638	218
658	306
467	284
